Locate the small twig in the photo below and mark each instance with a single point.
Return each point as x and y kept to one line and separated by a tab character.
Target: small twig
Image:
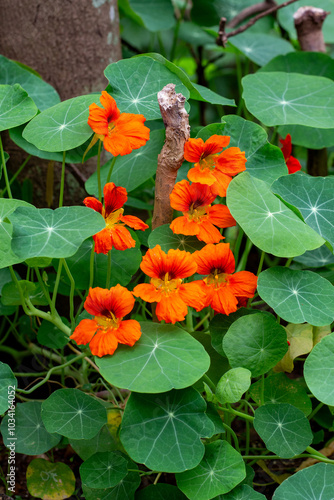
250	11
223	36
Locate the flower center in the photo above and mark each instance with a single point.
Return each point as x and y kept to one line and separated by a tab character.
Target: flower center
107	322
197	214
217	279
111	127
166	285
207	162
112	218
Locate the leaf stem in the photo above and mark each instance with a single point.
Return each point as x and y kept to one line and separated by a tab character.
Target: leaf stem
316	409
19	170
5	170
243	261
70	277
237	413
111	168
233	434
108	270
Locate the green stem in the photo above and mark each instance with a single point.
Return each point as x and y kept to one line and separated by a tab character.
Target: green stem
111	168
91	267
33	311
247	437
189	321
259	269
316	409
62	181
49	373
288	262
243	261
176	31
108	270
262	390
239	77
98	171
55	289
200	323
19	170
209	382
237	244
237	413
233	434
5	170
258	303
157	478
45	290
72	288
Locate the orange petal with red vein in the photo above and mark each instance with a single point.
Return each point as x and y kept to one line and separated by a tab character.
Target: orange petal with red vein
109	104
180	264
223	301
171	309
221	184
114	197
128	133
121	238
103	343
134	222
193	295
154	262
213	257
204	176
182	225
208	232
84	332
231	161
128	332
93	203
243	283
220	216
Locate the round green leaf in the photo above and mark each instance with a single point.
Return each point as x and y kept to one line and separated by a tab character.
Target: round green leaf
50	481
160	491
130	171
221	469
270	224
8	384
7	207
62	127
43	94
52	233
284	429
124	264
165	357
103	441
233	385
157	15
264	161
103	470
31	436
242	492
315	482
165	237
278	388
314	197
316	258
319	370
306	63
50	336
163	431
124	490
147	78
33	291
298	296
256	342
286	17
220	324
73	414
289	98
259	47
16	107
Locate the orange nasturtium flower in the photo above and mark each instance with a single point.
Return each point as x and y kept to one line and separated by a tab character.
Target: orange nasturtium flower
213	167
291	162
199	217
166	288
224	290
115	234
107	329
121	133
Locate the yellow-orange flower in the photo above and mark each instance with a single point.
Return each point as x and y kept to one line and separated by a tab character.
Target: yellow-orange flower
166	287
213	167
199	217
107	329
224	290
115	234
121	133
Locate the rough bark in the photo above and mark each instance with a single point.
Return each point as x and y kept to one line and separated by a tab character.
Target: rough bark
308	23
176	121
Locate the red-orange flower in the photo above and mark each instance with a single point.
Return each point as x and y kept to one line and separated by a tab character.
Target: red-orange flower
213	167
291	162
199	217
120	132
115	234
223	289
166	288
107	329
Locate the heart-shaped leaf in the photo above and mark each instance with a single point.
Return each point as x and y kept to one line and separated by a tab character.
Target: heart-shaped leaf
147	78
314	197
52	233
284	429
289	98
103	470
256	342
221	469
316	258
32	438
16	107
315	482
62	127
297	296
233	384
165	357
319	370
50	481
271	226
260	47
73	414
163	431
43	94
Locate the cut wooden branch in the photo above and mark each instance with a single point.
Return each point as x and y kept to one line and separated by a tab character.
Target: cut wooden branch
308	23
176	121
223	36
